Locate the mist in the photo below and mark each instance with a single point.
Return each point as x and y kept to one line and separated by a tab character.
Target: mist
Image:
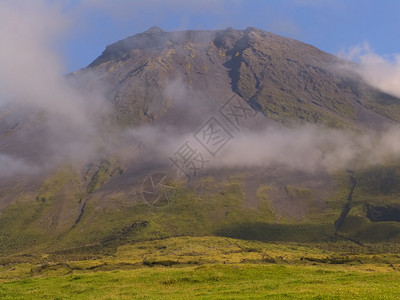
309	147
32	80
312	149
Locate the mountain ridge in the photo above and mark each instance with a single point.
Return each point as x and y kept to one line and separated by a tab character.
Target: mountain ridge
316	87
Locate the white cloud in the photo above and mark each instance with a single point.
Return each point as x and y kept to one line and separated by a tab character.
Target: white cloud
31	74
382	72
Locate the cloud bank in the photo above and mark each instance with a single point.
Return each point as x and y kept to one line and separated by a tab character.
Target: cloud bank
31	79
382	72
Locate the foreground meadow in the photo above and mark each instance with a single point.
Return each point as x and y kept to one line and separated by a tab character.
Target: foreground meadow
205	268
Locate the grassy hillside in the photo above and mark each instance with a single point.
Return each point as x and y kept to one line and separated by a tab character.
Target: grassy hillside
73	211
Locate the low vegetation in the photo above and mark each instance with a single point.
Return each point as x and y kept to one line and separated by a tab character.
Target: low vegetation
205	267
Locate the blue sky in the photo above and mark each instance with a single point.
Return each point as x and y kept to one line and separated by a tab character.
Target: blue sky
333	26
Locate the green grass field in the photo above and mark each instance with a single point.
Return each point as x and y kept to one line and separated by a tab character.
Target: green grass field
207	243
231	281
208	268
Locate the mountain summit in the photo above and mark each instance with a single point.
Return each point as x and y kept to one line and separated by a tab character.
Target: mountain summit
285	79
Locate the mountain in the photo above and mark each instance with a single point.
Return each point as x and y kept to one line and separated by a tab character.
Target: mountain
285	79
168	91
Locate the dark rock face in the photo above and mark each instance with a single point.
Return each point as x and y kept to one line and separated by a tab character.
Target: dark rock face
383	213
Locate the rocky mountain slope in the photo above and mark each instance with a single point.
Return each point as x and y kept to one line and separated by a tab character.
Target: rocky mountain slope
285	79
